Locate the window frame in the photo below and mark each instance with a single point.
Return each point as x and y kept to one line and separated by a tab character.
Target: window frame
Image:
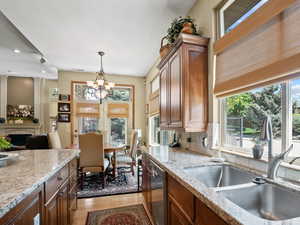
286	120
150	130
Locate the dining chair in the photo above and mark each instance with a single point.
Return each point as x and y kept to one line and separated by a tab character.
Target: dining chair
92	156
129	158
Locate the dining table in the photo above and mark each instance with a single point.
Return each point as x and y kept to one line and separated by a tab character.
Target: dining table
113	149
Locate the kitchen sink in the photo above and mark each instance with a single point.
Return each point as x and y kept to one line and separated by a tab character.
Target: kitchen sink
220	175
267	201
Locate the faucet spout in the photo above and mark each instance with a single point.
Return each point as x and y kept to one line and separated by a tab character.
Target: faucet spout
275	162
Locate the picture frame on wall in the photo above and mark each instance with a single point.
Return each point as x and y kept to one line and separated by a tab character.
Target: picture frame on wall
64	117
64	98
64	107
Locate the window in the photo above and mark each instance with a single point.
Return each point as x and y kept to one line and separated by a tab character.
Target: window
155	84
87	125
119	94
154	130
233	12
157	136
295	111
244	113
118	131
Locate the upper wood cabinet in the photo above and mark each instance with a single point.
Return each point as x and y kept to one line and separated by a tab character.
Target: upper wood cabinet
184	85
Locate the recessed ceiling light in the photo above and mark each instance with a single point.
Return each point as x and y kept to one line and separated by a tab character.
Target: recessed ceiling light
43	71
17	51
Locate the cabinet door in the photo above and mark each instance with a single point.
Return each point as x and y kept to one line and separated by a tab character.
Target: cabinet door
164	93
204	215
195	88
51	212
63	205
175	97
175	216
31	215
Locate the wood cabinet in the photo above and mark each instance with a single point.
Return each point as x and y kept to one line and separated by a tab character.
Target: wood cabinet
53	203
27	212
175	215
204	216
185	209
184	85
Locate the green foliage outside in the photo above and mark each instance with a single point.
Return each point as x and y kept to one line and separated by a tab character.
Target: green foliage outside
296	126
253	108
4	144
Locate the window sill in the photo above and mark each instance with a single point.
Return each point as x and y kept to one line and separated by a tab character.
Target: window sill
295	166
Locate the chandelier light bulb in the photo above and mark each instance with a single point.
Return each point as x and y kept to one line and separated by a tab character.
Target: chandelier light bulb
100	82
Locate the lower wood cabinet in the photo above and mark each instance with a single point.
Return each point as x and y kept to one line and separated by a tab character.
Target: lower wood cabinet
53	203
27	212
175	215
185	209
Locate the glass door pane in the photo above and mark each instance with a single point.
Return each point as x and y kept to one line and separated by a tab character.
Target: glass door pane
87	125
118	131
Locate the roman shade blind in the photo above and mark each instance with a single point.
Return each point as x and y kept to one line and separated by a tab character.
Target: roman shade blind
87	110
266	51
118	110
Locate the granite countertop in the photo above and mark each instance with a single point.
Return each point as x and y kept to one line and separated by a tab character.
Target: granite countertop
32	168
174	160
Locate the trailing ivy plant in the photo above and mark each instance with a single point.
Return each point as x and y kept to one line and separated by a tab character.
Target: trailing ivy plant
176	27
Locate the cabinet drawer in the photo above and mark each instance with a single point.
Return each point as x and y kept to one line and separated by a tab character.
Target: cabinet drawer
183	197
53	184
73	166
205	216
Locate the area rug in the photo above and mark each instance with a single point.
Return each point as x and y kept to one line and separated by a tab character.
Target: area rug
129	215
125	183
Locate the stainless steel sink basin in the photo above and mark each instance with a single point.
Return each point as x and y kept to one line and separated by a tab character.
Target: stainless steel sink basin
266	201
220	175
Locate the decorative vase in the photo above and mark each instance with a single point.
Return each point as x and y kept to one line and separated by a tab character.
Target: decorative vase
258	151
164	49
187	28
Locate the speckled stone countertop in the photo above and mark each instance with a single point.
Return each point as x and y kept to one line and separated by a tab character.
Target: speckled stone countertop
174	160
22	176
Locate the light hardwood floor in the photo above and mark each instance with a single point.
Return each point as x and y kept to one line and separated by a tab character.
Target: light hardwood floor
93	204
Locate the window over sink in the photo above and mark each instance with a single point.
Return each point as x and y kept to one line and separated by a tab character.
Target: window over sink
242	117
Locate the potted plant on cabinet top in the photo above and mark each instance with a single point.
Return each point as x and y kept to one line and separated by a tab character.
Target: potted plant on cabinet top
179	25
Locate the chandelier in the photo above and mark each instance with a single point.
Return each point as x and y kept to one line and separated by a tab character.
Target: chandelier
100	83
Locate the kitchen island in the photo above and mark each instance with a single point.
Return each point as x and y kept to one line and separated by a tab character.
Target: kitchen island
39	187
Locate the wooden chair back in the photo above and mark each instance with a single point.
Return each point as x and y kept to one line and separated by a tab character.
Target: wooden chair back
133	144
92	150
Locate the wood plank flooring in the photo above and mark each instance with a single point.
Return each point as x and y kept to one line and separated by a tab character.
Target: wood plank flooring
93	204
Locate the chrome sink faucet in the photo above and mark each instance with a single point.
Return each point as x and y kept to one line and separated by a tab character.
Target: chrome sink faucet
273	161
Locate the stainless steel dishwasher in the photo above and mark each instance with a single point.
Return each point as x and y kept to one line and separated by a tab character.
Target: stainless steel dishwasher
158	193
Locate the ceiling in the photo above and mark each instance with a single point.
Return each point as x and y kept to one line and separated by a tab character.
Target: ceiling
70	32
27	61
